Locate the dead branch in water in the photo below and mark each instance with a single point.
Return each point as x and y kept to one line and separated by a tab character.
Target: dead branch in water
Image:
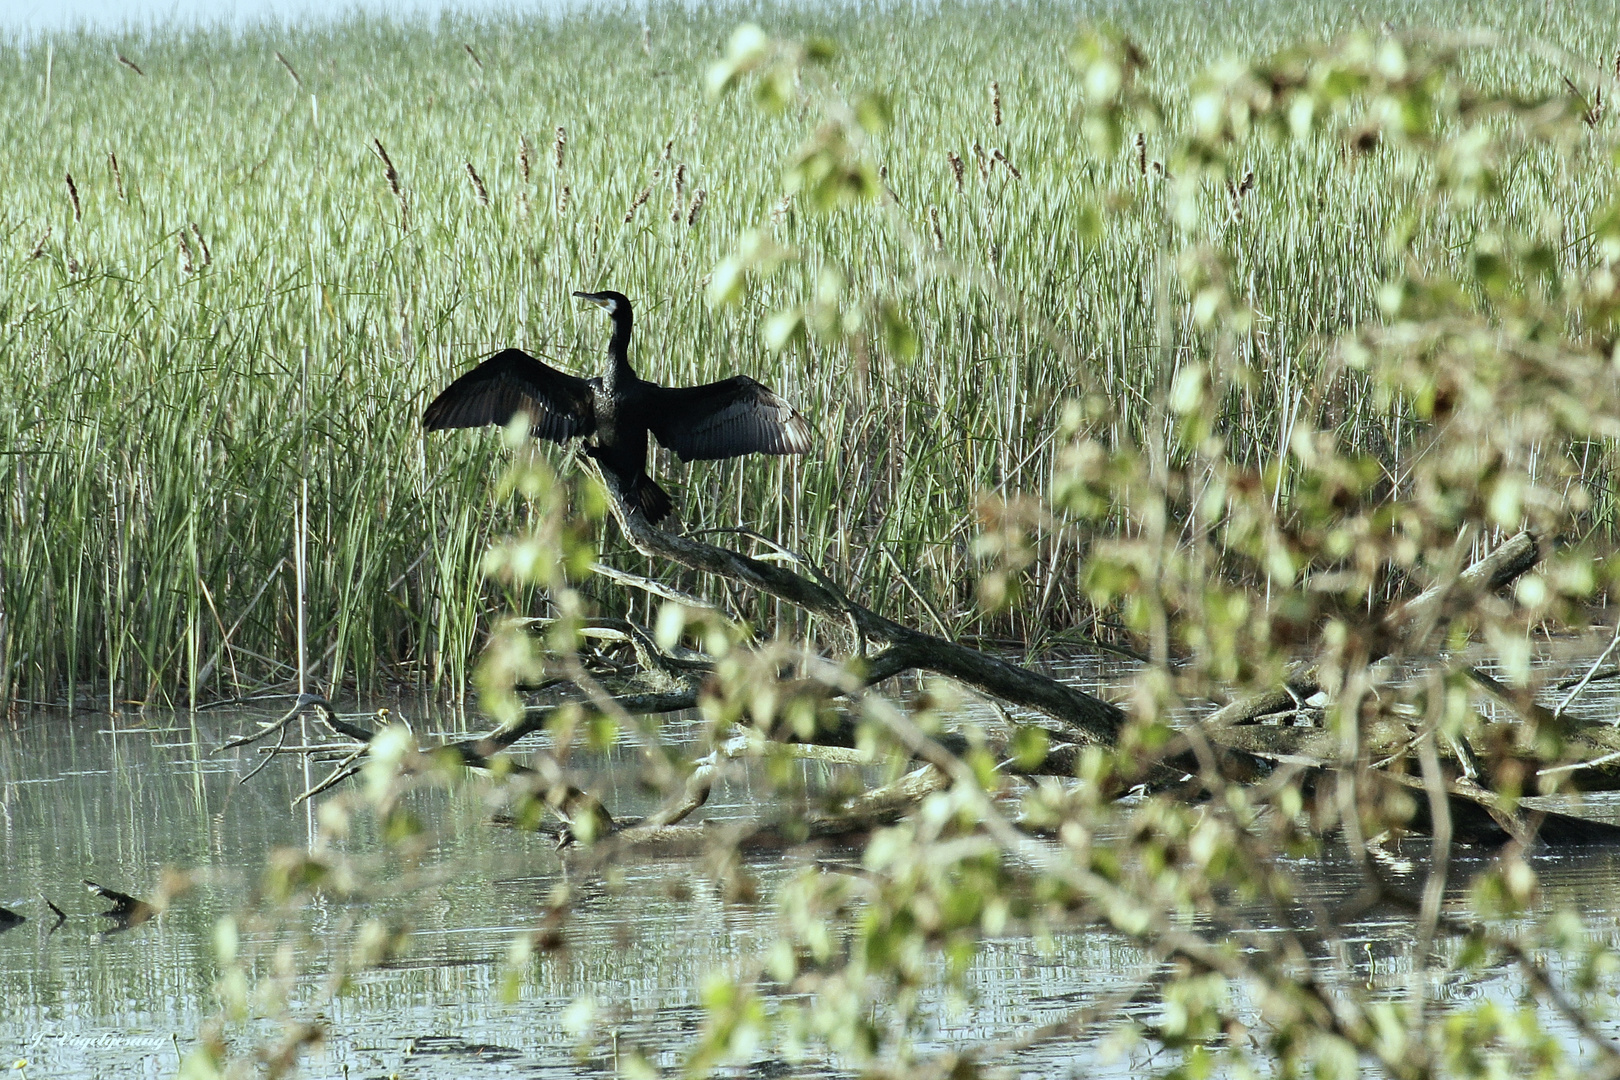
1243	749
1406	627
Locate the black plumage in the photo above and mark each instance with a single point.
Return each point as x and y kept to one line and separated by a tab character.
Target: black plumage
559	406
616	411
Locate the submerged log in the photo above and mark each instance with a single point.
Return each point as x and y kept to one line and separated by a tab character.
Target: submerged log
1591	760
127	911
1478	815
661	832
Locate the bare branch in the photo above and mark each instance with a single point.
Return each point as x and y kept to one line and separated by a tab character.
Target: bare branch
1406	627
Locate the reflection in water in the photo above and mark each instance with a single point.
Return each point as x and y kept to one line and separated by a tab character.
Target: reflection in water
81	799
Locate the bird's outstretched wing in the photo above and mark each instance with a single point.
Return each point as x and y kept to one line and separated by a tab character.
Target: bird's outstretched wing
558	405
735	416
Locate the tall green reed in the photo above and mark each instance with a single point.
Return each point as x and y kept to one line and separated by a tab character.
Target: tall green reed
226	217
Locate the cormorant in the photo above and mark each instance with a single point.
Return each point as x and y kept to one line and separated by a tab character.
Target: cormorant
723	419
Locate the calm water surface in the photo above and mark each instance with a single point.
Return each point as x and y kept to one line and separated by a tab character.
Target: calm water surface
82	797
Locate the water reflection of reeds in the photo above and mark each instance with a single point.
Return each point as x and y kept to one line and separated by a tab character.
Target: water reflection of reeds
81	798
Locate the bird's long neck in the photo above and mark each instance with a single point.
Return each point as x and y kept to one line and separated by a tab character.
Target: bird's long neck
618	367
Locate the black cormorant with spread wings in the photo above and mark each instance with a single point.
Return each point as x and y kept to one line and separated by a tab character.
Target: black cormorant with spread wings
723	419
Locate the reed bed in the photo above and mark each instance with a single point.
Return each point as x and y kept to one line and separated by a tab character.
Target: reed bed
233	262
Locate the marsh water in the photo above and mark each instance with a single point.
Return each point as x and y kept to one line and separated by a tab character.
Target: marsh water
123	801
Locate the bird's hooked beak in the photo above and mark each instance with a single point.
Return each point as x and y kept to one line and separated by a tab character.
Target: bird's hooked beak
600	301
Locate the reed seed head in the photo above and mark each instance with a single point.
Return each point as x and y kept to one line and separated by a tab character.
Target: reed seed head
525	157
696	208
956	168
678	192
1009	166
73	197
286	64
392	176
187	266
479	190
984	162
933	224
637	203
1141	154
202	245
1592	114
39	245
127	62
562	199
469	48
1236	192
389	172
559	146
118	174
995	102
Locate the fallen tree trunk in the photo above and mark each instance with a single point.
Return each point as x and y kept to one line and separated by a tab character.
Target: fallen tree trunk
1231	742
1091	717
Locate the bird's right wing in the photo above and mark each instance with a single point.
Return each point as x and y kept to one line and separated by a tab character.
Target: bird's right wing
558	405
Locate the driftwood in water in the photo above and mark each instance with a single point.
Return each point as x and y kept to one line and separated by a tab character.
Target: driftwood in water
1406	627
127	912
1240	748
1478	815
663	832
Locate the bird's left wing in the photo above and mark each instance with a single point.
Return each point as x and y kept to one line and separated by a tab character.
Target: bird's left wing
725	419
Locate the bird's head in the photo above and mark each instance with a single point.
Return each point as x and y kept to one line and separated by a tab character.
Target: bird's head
614	303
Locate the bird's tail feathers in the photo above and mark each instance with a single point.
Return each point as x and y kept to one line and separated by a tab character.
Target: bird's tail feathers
653	501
